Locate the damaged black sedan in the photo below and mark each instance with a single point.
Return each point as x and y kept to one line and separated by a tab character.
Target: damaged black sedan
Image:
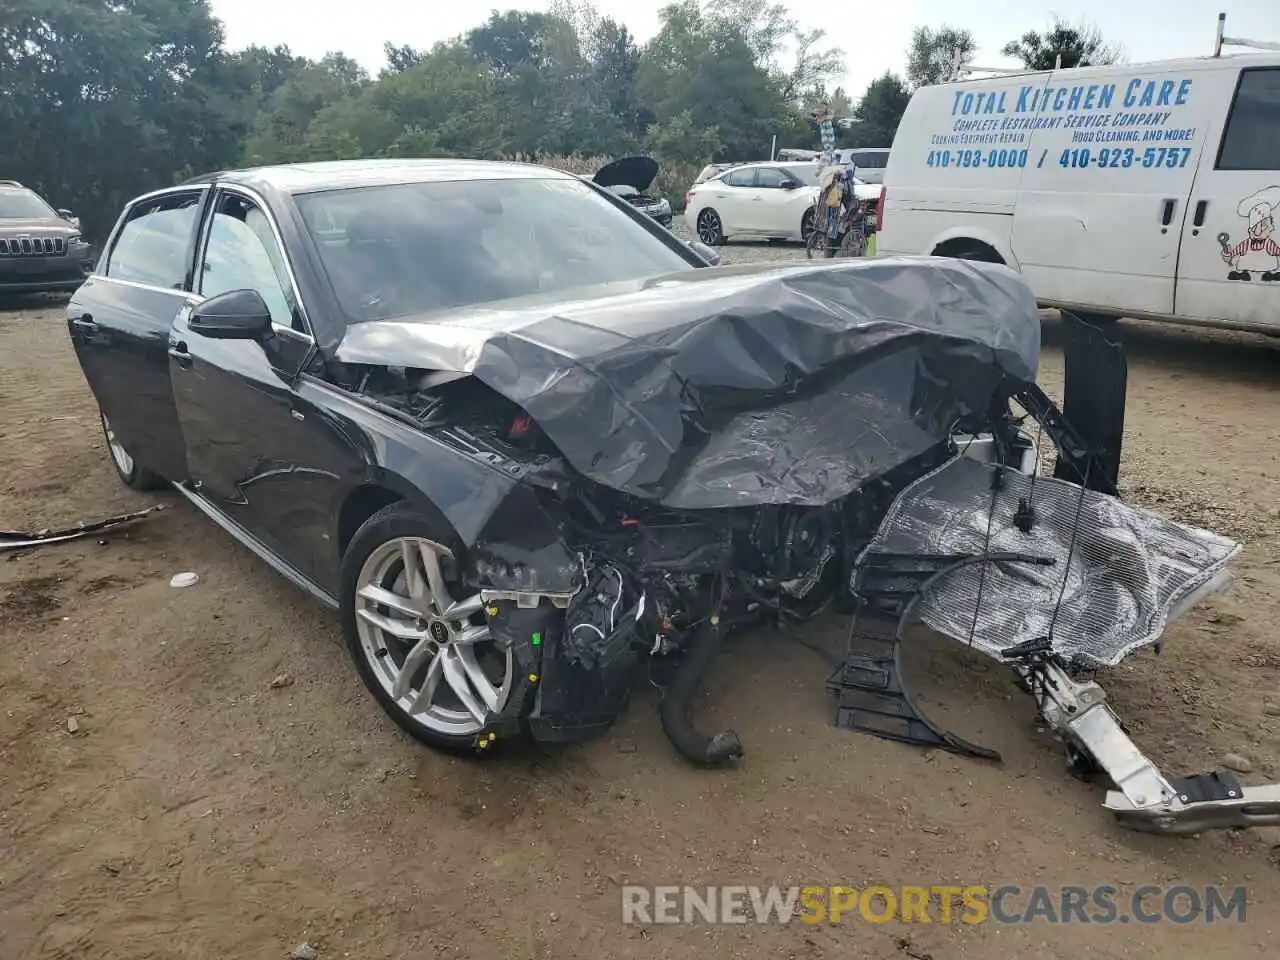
532	447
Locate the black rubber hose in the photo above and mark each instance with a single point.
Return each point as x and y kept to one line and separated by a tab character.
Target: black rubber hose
697	748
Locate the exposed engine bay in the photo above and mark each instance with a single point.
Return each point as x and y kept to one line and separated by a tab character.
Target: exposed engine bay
933	508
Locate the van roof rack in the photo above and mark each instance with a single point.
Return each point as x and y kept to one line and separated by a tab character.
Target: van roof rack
1223	40
962	69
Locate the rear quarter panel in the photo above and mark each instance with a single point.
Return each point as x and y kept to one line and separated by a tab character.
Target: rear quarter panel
944	173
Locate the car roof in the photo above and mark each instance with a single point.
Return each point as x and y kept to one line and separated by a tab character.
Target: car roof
297	178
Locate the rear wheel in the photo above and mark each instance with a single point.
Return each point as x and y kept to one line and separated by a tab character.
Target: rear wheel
131	473
968	250
806	225
815	247
710	229
854	244
426	656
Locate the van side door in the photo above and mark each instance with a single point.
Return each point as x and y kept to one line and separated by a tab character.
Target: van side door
1229	262
1113	156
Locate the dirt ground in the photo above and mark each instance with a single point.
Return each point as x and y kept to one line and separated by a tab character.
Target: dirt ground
197	811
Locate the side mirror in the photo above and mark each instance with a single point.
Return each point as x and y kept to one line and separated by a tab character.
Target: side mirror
789	184
234	315
705	252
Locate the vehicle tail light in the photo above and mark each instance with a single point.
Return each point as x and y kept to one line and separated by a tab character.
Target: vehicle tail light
520	427
880	211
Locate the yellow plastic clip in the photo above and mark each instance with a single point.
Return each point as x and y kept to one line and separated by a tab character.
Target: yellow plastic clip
533	678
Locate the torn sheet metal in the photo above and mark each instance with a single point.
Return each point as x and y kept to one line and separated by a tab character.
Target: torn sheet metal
1128	569
12	540
688	389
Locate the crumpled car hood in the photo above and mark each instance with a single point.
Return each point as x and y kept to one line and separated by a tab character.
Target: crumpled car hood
735	387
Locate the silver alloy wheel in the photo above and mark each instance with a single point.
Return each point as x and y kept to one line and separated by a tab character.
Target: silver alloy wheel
709	227
440	666
118	453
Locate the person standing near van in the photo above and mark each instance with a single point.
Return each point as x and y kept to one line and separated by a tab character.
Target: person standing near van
826	133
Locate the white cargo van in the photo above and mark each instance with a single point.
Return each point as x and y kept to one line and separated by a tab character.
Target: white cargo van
1119	191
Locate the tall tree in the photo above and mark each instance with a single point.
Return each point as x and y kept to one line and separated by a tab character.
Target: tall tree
879	112
932	55
1079	45
104	99
614	71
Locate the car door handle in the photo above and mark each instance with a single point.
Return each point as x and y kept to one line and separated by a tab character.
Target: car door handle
84	322
1198	221
1166	217
179	353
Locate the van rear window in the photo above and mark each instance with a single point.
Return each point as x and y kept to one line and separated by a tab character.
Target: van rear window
872	159
1252	138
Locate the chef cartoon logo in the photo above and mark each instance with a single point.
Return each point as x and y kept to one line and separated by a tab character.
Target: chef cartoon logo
1258	253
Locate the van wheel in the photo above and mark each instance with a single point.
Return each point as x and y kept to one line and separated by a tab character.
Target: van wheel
1096	319
968	250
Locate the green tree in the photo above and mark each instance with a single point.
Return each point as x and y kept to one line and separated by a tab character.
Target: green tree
1081	45
111	98
933	54
104	99
279	132
879	112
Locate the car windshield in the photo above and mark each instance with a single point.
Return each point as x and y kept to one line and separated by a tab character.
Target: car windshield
401	249
22	204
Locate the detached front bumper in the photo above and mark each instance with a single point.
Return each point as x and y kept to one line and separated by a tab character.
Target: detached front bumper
1146	800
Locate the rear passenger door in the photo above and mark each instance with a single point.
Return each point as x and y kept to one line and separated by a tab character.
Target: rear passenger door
1229	262
119	324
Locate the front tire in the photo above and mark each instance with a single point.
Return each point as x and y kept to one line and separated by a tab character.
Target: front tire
427	657
131	473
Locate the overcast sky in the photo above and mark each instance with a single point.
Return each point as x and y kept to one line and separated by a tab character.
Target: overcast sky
873	33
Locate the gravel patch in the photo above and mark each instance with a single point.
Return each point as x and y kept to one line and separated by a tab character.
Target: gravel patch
746	251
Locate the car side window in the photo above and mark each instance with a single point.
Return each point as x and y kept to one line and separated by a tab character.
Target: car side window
1252	138
152	244
740	178
241	253
770	177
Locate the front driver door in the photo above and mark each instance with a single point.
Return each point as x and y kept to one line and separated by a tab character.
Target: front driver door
246	449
